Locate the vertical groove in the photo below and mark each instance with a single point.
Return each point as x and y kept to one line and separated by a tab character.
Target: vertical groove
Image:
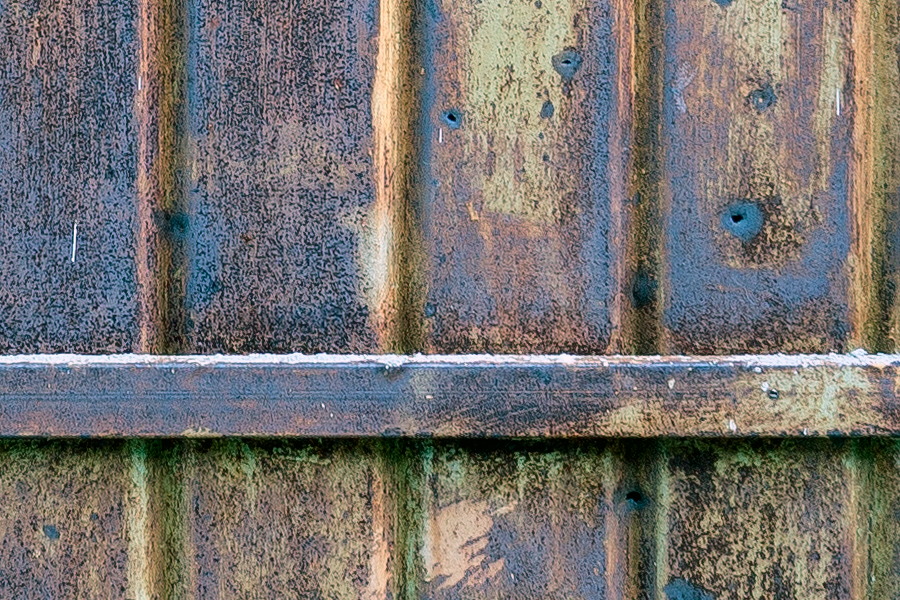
882	21
643	289
397	247
169	507
406	465
162	218
867	294
141	578
647	536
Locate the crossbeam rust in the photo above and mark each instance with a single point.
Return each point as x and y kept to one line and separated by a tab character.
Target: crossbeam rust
448	396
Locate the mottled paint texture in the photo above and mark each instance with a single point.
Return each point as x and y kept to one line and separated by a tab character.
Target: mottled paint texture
522	522
758	520
281	176
278	520
757	137
66	522
524	138
68	163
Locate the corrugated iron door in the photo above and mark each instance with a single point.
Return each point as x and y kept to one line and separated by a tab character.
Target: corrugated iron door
715	181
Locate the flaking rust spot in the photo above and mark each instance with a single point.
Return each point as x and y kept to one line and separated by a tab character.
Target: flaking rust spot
455	552
508	60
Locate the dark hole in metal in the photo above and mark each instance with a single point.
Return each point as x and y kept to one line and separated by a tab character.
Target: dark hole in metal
773	394
567	63
636	499
453	118
762	98
744	220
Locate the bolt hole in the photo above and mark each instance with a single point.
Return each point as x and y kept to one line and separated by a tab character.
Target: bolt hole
452	118
635	499
773	394
567	63
744	220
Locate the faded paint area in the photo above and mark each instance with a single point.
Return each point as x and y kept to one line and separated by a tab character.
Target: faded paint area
281	175
813	399
524	147
764	519
286	520
67	522
523	523
878	519
883	133
68	145
758	139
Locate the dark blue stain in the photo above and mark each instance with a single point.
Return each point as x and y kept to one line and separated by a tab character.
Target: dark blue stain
643	289
723	3
679	589
51	532
452	118
567	63
762	98
744	220
547	110
178	225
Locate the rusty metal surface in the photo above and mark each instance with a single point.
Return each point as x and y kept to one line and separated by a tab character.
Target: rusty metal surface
68	147
281	177
276	520
67	528
528	521
758	121
449	396
762	520
524	155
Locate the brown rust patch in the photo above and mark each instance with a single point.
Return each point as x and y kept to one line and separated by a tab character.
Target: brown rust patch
520	200
68	148
758	140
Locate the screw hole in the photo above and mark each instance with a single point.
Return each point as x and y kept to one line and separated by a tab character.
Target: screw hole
452	118
636	499
762	98
567	63
773	394
744	220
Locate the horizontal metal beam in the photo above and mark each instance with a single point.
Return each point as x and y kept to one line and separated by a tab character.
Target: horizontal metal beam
449	396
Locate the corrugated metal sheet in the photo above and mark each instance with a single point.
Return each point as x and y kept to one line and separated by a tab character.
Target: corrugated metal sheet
699	176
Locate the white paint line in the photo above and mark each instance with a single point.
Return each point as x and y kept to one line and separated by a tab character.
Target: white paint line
74	239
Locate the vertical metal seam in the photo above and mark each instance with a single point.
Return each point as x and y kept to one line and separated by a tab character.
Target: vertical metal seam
394	293
162	219
643	286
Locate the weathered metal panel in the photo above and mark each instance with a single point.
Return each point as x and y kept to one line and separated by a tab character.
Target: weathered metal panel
447	396
68	164
276	520
761	519
759	172
525	125
281	177
72	521
522	521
